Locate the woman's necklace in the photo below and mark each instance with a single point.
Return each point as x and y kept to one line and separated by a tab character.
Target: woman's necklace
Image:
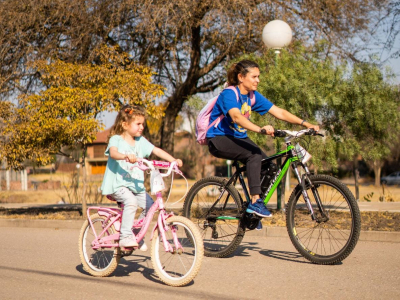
241	98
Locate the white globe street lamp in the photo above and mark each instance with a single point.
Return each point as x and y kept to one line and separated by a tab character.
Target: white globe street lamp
276	35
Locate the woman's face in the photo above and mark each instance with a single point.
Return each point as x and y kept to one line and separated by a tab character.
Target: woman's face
250	81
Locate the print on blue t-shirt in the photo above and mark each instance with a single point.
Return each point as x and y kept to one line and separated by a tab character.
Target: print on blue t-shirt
226	101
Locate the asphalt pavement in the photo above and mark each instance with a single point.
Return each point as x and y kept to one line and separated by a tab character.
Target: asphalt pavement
43	263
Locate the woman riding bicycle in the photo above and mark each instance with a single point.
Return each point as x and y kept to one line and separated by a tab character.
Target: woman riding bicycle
228	139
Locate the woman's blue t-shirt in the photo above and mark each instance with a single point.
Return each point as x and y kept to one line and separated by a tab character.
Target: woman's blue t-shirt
226	101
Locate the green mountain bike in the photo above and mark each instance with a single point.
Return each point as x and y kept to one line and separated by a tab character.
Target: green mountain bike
322	215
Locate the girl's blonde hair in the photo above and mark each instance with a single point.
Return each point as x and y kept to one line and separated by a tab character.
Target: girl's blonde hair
127	113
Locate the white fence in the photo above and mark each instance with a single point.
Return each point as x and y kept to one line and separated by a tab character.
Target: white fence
8	176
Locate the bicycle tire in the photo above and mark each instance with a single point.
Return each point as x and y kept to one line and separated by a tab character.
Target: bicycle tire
324	241
180	267
100	262
221	237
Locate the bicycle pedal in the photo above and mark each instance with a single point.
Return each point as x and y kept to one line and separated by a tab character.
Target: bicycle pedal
126	251
128	248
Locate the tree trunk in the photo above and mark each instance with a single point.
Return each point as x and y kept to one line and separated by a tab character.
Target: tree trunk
377	172
84	204
356	174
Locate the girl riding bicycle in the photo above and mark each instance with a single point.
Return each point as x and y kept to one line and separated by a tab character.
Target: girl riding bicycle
228	139
121	181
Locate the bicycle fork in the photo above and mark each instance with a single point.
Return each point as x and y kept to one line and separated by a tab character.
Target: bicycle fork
304	181
163	228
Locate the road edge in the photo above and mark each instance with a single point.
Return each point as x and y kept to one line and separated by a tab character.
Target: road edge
374	236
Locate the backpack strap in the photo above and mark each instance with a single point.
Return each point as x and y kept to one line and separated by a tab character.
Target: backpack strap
233	88
252	95
252	98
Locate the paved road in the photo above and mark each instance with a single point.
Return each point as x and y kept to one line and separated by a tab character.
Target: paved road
43	263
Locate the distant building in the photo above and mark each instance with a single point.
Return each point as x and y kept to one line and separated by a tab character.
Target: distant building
96	161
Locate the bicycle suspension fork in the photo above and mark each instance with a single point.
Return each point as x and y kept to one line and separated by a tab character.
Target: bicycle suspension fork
304	181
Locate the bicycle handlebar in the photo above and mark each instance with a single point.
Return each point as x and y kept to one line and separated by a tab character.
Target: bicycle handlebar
291	134
144	164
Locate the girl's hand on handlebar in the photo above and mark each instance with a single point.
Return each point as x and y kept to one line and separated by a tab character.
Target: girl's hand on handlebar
179	162
267	129
131	158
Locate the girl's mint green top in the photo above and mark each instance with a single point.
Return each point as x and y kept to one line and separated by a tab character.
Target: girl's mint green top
120	173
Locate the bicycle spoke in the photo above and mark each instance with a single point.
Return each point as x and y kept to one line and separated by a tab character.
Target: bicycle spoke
334	233
206	205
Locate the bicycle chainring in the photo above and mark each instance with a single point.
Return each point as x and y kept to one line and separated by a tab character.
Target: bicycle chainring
251	221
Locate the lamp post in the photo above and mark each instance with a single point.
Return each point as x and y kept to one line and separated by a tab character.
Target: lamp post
228	163
276	35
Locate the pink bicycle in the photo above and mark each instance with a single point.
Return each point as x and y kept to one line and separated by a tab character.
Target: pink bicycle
177	247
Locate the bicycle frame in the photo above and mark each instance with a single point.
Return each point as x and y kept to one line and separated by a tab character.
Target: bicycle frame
114	216
291	159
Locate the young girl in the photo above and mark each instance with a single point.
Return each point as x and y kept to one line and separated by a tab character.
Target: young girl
121	182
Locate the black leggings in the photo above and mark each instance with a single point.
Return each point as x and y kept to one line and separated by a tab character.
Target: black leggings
243	150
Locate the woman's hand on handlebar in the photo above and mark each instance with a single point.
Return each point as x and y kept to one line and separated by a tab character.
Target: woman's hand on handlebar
268	130
315	127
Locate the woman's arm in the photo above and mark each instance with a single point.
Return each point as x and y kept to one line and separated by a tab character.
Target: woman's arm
242	121
284	115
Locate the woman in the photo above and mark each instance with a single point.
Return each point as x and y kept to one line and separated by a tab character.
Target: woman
229	140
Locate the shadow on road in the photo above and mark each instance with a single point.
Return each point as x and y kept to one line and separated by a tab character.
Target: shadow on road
285	255
133	264
245	248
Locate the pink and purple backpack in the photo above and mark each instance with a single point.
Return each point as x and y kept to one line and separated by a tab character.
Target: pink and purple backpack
203	118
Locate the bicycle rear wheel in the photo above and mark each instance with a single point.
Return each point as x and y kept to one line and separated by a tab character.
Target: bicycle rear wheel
98	262
220	225
328	239
179	267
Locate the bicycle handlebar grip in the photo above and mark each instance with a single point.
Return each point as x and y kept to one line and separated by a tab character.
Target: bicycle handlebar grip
263	131
279	133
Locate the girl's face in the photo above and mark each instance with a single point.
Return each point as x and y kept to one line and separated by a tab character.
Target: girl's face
251	80
135	127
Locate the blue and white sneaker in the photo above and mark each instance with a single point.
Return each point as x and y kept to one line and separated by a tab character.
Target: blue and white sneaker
259	209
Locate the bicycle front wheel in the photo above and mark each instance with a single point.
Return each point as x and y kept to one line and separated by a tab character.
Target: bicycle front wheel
330	238
219	223
99	262
179	267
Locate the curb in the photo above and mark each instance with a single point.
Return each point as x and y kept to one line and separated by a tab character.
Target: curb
55	224
371	236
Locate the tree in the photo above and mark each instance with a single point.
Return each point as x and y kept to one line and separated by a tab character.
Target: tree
64	114
187	42
367	119
356	105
